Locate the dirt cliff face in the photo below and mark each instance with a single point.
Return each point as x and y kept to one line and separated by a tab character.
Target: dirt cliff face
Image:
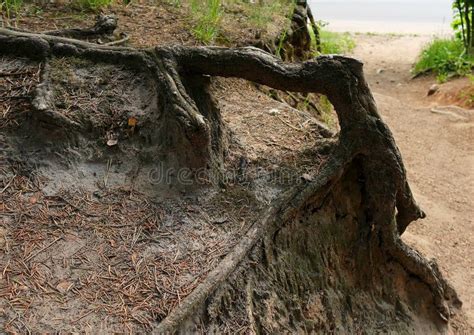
322	272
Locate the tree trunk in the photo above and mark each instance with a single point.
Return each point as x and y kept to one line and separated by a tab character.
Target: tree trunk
315	28
467	14
471	47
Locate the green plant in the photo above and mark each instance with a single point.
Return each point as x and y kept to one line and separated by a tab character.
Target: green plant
312	36
208	15
336	43
36	10
327	111
175	3
260	15
450	57
10	7
442	78
332	42
306	102
93	4
445	58
281	42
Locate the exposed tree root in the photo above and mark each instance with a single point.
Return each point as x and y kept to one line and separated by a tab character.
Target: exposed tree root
105	25
191	131
315	28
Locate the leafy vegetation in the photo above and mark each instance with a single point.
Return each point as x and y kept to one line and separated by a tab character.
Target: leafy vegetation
207	14
463	23
93	4
451	57
327	111
332	42
336	43
176	3
445	58
10	7
281	42
260	15
13	7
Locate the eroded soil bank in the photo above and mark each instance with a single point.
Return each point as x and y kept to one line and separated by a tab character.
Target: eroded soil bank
285	237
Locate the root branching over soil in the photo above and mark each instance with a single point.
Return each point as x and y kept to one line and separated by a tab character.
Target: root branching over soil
105	25
186	125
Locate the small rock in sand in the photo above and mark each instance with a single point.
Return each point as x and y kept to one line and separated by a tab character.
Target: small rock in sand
111	142
274	111
433	89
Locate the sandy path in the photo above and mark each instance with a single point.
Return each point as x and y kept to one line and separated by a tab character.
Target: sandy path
438	153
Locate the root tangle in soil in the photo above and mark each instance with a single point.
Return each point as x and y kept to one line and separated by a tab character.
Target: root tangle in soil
192	134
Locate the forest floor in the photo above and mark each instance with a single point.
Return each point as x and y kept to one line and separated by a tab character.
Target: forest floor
436	140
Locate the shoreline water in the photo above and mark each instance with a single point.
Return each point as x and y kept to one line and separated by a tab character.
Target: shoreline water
380	27
426	17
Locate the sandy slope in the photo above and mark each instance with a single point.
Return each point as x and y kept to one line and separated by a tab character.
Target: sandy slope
438	152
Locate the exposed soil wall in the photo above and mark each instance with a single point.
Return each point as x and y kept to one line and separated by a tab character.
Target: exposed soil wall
321	272
322	254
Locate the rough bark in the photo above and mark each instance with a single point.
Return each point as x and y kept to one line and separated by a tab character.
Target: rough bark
191	134
295	43
315	28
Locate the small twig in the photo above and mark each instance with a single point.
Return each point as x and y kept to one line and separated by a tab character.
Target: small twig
118	42
278	145
83	316
292	96
62	18
141	221
15	97
8	74
7	185
106	176
448	112
288	124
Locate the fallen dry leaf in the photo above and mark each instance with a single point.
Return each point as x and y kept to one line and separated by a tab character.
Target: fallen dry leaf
132	122
64	286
